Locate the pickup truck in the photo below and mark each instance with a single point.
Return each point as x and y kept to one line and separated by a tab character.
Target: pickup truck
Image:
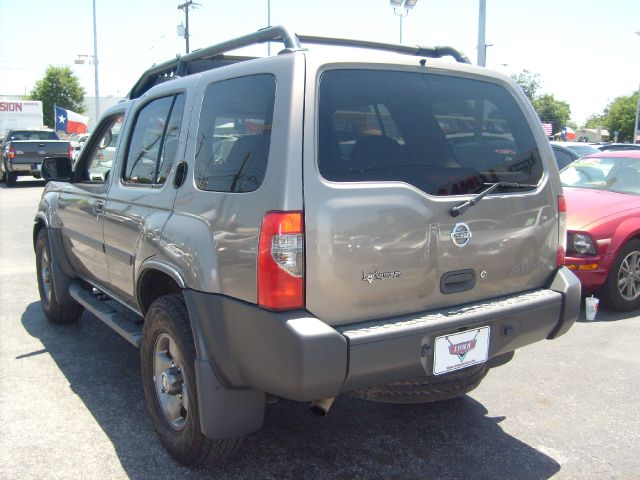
24	150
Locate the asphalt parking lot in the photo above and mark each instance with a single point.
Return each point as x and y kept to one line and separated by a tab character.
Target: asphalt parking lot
71	404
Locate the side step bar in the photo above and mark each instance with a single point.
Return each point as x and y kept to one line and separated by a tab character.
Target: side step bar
126	328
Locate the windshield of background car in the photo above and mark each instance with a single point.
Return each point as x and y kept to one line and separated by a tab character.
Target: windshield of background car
583	149
444	135
616	174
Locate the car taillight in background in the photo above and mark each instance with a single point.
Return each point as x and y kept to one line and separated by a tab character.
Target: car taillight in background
70	151
12	152
281	261
562	230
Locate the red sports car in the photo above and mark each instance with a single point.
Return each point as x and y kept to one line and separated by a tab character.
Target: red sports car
602	193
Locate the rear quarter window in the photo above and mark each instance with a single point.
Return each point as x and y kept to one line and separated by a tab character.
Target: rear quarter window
445	135
234	134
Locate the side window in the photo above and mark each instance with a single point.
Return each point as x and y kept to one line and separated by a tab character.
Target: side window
96	165
562	158
156	128
234	134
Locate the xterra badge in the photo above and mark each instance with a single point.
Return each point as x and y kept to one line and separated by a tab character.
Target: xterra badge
376	275
460	234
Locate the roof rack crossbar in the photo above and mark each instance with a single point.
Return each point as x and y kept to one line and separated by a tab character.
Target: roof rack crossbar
179	66
289	39
432	52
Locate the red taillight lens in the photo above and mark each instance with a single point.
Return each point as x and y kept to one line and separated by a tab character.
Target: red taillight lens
562	230
562	204
70	151
12	152
281	261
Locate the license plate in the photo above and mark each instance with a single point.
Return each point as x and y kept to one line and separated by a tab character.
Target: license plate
460	350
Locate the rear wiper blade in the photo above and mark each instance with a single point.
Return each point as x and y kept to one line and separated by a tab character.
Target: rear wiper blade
463	207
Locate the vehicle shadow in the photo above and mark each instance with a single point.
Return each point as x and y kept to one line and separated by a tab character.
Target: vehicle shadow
24	184
358	439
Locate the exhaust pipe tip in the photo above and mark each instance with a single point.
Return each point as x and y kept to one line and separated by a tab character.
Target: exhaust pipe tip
321	407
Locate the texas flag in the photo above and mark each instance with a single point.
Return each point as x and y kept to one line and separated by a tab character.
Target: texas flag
70	122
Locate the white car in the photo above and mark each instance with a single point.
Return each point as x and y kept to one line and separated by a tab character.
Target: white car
78	141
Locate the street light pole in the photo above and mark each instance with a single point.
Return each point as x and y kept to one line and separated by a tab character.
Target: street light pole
482	45
268	25
95	62
404	6
636	126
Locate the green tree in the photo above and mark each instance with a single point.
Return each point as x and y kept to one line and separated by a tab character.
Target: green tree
595	120
529	82
621	115
60	87
552	111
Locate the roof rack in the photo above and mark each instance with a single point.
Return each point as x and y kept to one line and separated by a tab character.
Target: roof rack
212	57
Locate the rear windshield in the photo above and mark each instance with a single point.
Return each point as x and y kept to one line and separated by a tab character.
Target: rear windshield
33	135
583	149
444	135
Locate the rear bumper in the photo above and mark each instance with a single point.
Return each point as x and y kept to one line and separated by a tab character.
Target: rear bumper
24	168
297	356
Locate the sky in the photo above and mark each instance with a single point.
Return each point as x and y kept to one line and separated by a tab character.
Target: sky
585	51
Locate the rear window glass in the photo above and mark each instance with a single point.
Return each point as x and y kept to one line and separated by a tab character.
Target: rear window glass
27	135
444	135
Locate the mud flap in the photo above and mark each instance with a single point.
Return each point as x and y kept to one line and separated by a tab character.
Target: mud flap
226	412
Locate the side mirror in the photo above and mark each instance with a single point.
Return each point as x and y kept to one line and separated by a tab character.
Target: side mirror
57	169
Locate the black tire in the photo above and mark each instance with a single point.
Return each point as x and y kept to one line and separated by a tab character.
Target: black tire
425	389
11	178
621	291
167	323
56	312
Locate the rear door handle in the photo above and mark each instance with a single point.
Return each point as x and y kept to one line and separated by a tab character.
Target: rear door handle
98	207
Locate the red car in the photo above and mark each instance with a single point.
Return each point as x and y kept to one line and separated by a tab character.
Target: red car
602	192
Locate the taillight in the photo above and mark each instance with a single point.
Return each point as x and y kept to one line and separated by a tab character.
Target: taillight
562	230
70	151
281	261
12	152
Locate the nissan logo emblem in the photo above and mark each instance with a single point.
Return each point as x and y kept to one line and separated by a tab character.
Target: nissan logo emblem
460	234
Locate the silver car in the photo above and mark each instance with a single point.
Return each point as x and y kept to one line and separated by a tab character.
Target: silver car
380	223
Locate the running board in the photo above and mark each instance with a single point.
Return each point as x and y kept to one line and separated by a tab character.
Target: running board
126	328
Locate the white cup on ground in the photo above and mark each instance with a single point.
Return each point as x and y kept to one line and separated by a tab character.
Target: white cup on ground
591	306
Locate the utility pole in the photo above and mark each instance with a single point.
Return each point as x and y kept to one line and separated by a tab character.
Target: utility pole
185	6
95	62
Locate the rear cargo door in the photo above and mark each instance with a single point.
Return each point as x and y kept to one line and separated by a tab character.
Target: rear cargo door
392	153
